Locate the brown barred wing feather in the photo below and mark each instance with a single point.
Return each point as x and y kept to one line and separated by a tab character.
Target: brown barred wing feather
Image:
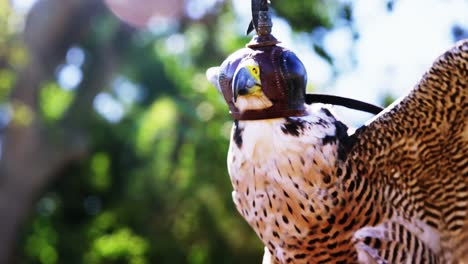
415	157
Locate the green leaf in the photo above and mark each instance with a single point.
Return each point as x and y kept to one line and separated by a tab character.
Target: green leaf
54	101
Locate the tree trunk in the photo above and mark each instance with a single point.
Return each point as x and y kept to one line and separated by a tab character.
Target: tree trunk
30	158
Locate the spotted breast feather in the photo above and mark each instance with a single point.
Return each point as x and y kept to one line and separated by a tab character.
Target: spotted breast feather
292	186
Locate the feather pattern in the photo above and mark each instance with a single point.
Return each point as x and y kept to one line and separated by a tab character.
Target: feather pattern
417	154
396	191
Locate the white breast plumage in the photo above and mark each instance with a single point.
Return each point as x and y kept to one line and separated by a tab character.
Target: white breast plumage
275	165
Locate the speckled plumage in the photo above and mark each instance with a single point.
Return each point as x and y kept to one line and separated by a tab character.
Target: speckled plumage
395	191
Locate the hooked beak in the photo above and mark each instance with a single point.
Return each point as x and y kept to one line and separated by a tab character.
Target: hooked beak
243	82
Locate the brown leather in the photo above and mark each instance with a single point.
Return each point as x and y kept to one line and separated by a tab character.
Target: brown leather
257	115
282	75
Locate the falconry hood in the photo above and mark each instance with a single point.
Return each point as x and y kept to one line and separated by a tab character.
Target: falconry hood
282	75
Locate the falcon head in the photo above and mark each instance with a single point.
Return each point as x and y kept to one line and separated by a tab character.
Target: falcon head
261	83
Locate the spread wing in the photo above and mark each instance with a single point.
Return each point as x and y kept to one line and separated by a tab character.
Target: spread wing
417	151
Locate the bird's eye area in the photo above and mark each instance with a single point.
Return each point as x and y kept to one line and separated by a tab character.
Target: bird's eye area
255	70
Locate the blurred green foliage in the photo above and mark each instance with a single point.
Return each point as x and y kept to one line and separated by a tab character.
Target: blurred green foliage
307	15
54	101
154	187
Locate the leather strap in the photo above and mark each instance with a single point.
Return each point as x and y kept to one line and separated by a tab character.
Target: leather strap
343	101
309	99
264	114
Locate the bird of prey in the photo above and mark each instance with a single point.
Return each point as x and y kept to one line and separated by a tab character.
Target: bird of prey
394	191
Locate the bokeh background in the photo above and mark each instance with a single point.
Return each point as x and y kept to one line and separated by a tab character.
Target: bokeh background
113	144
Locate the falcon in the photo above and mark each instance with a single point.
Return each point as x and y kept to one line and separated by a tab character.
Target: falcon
394	191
